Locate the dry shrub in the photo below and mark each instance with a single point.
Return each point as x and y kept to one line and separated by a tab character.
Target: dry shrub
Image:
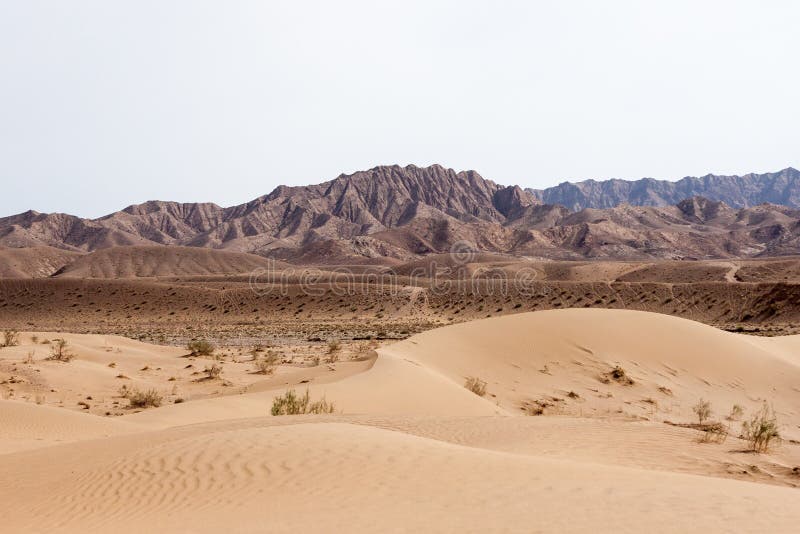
292	404
200	347
10	338
213	371
536	407
476	385
737	411
715	433
363	351
267	364
141	398
334	346
702	410
762	431
618	375
59	351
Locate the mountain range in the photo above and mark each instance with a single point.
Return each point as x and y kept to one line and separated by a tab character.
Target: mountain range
782	187
400	213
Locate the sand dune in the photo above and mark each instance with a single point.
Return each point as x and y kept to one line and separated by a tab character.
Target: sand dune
334	477
548	354
24	425
410	449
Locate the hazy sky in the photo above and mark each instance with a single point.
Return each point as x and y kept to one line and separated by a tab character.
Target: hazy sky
108	103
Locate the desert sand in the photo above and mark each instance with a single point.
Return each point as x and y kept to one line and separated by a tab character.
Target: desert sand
408	447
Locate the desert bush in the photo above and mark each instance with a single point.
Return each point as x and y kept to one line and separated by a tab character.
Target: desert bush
618	374
321	406
10	338
266	365
143	399
702	410
200	347
334	346
213	371
715	433
476	385
362	352
35	339
761	431
292	404
536	407
736	413
59	351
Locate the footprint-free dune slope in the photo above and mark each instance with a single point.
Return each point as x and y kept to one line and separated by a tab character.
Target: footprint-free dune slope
333	477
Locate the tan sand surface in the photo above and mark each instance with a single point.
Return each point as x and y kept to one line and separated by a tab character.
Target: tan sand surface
409	448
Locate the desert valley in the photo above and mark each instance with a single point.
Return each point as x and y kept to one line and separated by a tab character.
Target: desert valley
407	349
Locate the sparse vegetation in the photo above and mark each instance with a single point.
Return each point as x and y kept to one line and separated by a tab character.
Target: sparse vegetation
618	375
60	352
292	404
200	347
143	398
737	411
10	338
334	346
702	410
715	433
476	385
762	431
213	371
267	364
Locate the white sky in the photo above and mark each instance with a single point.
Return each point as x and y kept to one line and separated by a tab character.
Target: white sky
108	103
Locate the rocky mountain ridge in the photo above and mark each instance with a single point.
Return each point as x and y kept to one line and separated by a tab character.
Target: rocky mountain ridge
401	213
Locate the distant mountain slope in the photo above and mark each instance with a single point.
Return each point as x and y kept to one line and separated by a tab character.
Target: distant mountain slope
403	213
781	188
34	262
160	261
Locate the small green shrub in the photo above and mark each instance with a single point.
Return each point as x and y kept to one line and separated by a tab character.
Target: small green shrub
761	431
292	404
702	410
